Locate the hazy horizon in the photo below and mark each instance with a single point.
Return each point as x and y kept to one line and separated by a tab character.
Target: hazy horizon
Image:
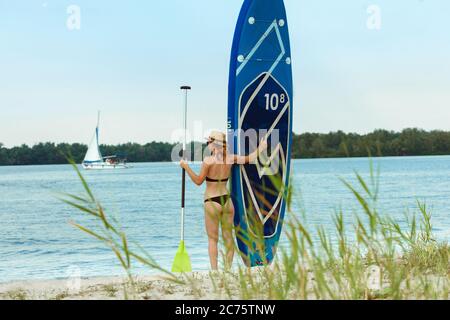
129	60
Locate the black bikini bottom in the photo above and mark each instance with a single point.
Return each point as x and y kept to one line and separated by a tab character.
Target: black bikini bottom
222	200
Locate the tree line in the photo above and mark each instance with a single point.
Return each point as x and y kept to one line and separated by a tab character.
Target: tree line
51	153
409	142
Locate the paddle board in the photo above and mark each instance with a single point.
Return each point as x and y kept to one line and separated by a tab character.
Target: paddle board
260	100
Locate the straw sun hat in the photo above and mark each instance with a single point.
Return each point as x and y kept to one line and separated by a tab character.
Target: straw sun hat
217	137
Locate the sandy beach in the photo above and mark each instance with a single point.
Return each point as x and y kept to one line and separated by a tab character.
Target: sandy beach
218	286
110	288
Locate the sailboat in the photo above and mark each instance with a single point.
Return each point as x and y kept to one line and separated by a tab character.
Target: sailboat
94	160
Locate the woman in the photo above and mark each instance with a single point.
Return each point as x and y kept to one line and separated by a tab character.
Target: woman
219	208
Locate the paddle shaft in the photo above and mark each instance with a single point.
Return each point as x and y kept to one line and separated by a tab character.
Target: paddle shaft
183	192
185	89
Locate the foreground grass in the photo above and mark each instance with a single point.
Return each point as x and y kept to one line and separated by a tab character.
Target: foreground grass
18	294
376	258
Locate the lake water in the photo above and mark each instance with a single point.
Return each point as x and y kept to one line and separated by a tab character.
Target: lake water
37	241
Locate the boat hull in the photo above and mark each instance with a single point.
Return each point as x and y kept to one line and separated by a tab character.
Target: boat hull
105	166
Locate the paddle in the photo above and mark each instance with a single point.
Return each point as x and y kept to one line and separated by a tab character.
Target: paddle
182	262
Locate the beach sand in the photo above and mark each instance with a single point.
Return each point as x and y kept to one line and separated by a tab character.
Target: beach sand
112	288
197	286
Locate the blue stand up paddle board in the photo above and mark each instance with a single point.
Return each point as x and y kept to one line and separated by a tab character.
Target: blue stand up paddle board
260	98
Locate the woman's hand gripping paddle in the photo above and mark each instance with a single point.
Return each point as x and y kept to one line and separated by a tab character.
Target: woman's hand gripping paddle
182	262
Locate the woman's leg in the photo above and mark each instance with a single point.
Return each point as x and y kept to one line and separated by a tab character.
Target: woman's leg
212	214
227	232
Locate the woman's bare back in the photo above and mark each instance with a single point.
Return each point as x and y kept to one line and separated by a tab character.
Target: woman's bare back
220	172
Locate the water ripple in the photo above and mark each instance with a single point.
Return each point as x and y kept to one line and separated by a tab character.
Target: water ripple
37	241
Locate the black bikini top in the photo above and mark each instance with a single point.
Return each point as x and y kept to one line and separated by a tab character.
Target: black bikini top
215	180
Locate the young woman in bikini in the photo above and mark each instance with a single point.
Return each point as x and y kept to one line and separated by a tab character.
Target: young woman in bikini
219	208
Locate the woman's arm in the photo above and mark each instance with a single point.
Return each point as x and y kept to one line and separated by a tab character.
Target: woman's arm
197	179
251	158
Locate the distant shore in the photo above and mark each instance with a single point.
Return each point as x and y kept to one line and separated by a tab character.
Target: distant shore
198	162
409	142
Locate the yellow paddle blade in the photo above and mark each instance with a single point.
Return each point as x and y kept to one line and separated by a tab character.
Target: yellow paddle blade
182	262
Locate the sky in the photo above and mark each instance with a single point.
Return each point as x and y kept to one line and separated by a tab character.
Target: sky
129	58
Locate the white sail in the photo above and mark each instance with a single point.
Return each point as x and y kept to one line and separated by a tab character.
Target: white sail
93	154
94	159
